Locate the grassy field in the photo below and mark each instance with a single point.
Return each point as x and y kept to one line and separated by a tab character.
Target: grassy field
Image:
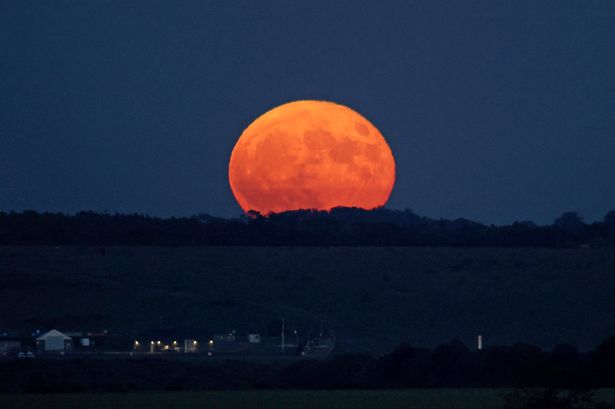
420	399
389	399
374	298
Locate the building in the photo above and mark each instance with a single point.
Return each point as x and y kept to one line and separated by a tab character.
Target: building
86	341
171	340
229	337
54	341
10	345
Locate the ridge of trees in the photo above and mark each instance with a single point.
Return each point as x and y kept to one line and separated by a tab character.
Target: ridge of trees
338	227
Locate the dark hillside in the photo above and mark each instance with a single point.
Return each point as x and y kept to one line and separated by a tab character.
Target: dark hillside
374	298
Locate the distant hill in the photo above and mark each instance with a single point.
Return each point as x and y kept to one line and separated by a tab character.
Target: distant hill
373	298
339	227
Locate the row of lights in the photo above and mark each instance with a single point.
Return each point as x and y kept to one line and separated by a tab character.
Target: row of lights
174	343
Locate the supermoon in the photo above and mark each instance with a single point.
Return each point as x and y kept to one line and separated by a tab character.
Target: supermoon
311	155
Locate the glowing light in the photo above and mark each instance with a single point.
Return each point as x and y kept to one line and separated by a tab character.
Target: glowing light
311	155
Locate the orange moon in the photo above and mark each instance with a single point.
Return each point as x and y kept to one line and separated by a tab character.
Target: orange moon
311	155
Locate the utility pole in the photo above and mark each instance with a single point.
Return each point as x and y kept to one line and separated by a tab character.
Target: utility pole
283	334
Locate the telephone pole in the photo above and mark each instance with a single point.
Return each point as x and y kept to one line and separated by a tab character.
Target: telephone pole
283	334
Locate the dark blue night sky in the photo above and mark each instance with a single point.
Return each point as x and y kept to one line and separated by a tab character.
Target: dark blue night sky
495	111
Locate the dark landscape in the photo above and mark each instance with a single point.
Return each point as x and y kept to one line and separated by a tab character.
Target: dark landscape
373	298
476	291
402	316
307	204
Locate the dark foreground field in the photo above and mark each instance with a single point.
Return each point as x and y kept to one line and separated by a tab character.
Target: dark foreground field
389	399
406	399
373	298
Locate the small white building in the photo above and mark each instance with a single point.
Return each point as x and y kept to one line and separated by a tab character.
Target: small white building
54	341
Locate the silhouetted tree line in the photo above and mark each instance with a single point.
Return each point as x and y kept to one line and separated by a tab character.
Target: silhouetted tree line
450	365
339	227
